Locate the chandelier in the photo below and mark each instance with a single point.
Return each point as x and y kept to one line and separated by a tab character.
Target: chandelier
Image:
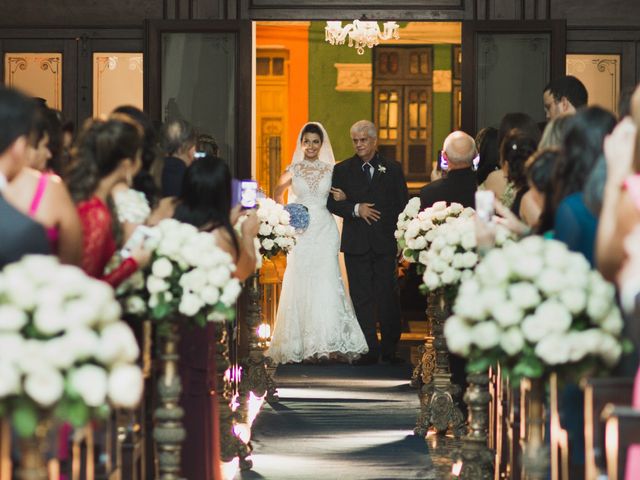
361	33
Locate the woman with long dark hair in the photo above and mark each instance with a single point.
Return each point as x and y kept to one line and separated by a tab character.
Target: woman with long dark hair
206	203
106	153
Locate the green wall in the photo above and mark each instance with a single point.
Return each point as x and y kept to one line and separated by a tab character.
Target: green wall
441	100
337	111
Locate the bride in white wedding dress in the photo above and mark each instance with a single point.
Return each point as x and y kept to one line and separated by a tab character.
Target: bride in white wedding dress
315	318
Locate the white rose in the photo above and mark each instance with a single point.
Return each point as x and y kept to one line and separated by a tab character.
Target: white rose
195	280
125	386
438	265
555	315
81	343
431	279
468	240
267	244
413	207
210	295
218	277
282	242
469	259
554	349
533	244
453	236
439	206
556	255
168	246
506	314
450	276
430	235
285	218
528	267
280	230
598	306
422	258
45	386
231	292
162	268
156	285
486	335
533	328
455	208
550	281
439	242
524	295
458	335
50	321
420	243
190	304
273	219
613	322
412	230
574	299
469	305
90	382
491	296
11	318
11	346
135	305
493	270
9	379
448	253
117	344
512	341
610	350
265	229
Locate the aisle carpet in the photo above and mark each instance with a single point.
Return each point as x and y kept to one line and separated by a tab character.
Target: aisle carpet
345	422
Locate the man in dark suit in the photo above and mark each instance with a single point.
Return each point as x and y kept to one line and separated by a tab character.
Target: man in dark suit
376	192
460	183
19	234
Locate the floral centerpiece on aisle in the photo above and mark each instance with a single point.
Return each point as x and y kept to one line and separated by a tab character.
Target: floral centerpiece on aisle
415	230
452	255
535	306
276	234
64	352
188	275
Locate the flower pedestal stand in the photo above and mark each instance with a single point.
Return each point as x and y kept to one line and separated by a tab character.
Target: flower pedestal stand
423	373
230	445
535	458
169	432
33	465
438	404
477	459
256	378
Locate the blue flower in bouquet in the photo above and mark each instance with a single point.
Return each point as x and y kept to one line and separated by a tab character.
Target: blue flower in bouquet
299	216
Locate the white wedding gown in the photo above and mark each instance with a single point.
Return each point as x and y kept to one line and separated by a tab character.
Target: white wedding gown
315	317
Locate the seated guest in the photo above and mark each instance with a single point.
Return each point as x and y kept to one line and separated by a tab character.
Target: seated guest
460	184
180	145
563	96
19	234
43	196
515	149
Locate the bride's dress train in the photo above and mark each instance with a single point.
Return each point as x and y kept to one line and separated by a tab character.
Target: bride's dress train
315	316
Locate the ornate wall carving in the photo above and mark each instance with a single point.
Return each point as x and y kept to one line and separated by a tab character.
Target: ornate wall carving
353	77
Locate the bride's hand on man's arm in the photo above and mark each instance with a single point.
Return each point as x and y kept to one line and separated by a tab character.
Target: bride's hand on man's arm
338	194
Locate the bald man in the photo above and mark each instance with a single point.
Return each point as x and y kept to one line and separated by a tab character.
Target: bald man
460	183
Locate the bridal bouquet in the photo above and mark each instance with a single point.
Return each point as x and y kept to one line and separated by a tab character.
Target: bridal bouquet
416	230
276	234
64	352
132	206
535	306
188	275
298	216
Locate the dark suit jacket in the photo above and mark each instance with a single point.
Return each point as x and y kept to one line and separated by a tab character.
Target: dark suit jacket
19	235
387	190
458	186
172	175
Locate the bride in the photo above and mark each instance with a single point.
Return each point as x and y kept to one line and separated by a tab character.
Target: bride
315	318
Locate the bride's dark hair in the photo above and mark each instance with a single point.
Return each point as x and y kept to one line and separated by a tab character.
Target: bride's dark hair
312	128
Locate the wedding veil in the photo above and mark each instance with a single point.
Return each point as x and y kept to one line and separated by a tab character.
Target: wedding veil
325	155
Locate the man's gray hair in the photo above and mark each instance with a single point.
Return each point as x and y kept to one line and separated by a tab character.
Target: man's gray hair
365	126
177	135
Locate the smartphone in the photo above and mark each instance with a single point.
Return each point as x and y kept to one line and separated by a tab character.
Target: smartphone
485	205
443	163
244	193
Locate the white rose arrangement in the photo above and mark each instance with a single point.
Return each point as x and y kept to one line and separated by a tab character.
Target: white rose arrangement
452	254
64	352
415	229
189	275
132	206
534	306
275	234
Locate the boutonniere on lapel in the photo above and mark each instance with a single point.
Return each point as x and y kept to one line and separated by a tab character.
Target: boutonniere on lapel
382	169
